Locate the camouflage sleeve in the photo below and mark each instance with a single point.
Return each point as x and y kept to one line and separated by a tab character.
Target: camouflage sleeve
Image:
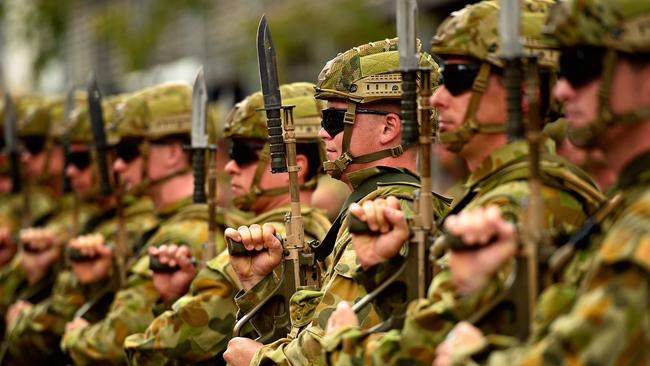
610	322
427	323
199	325
310	311
429	320
39	328
129	313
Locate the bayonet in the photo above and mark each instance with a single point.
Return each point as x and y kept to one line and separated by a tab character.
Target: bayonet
271	93
298	266
414	275
99	135
199	136
512	53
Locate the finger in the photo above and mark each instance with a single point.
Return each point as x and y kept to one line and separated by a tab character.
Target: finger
396	219
357	211
271	241
382	224
451	224
183	251
246	239
153	251
393	202
232	234
257	236
369	212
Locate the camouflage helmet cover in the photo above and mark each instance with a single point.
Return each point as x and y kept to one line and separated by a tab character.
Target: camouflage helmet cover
33	117
368	73
78	128
154	112
474	32
622	25
246	120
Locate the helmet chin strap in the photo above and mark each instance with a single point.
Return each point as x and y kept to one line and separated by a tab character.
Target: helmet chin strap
245	201
455	140
589	135
336	168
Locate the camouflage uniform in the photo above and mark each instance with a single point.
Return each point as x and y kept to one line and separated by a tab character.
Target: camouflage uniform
41	327
199	325
150	114
598	313
568	197
344	77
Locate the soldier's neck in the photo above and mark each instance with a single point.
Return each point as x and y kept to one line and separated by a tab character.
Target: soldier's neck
623	144
268	203
173	190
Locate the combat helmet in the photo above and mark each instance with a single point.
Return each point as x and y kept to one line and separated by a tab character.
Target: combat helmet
473	32
152	115
365	74
602	31
247	121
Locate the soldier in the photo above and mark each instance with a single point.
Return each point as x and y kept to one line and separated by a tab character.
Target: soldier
154	125
200	323
362	88
41	328
42	261
471	109
598	314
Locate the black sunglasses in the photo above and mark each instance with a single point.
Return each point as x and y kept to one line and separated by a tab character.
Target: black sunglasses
127	151
80	159
34	144
332	121
581	65
244	152
459	78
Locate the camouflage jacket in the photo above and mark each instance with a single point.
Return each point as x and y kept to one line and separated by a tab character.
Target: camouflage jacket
568	197
599	311
310	309
200	324
40	328
131	309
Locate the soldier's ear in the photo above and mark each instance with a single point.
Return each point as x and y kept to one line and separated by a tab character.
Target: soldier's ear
303	163
392	127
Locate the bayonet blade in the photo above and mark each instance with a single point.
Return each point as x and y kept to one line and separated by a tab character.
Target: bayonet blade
268	66
510	29
199	103
271	93
406	32
99	136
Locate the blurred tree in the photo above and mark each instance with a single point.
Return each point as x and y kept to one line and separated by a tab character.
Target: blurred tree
304	30
136	36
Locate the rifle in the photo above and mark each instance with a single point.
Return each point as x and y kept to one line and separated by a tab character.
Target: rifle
523	278
411	279
67	185
298	264
199	147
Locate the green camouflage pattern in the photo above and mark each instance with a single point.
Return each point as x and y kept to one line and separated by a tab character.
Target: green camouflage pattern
245	120
474	32
311	309
621	25
199	325
155	112
598	314
429	320
369	72
33	116
131	310
41	328
79	129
